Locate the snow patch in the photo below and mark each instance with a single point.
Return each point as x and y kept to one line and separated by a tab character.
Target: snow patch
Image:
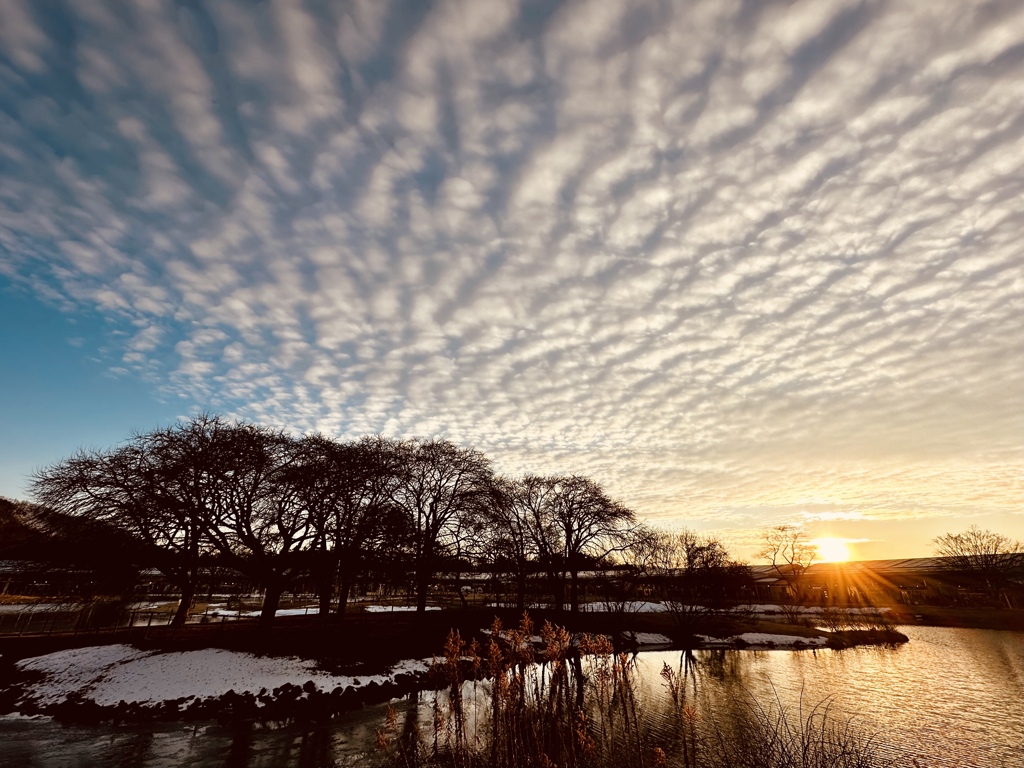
636	606
650	638
10	716
763	640
37	607
770	608
110	674
395	608
228	613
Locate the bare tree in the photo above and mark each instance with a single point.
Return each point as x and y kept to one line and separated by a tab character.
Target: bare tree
441	484
589	525
251	515
131	489
566	522
515	537
790	552
986	559
187	491
690	572
346	490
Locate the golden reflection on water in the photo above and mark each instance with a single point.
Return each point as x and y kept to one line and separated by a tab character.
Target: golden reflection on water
950	698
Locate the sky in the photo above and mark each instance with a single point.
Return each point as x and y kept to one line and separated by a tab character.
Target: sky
743	263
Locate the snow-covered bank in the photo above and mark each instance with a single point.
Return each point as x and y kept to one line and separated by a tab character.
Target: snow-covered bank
649	640
108	675
806	610
763	640
221	611
35	607
758	609
119	675
395	608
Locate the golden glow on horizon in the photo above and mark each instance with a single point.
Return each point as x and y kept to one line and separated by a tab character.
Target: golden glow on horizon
832	550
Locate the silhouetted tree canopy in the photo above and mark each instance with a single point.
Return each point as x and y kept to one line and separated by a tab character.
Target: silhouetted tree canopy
983	558
790	551
207	492
691	572
441	486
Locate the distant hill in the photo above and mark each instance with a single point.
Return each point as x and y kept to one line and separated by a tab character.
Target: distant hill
21	535
32	532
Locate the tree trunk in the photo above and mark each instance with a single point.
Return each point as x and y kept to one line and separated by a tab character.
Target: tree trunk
424	563
344	588
557	590
323	596
521	591
188	593
271	600
458	590
422	587
326	565
574	591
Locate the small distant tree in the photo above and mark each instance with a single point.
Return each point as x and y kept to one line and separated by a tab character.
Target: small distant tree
691	572
790	552
985	559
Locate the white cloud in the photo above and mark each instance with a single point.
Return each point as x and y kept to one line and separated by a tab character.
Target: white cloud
723	263
23	41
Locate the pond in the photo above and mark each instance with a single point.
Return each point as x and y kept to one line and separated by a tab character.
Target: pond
950	698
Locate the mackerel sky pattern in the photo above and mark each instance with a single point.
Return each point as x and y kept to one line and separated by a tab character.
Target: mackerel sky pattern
742	262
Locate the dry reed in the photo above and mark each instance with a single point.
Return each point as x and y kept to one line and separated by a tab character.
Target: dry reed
573	702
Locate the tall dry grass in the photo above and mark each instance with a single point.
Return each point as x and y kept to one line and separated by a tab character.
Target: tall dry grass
573	703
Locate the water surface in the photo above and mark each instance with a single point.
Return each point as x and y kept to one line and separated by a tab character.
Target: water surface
950	698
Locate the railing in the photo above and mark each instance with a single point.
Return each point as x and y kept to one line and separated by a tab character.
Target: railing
77	621
35	619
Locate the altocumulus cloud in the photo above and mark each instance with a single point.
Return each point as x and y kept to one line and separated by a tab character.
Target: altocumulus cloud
734	259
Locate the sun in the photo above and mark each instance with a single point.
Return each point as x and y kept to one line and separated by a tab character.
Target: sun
832	550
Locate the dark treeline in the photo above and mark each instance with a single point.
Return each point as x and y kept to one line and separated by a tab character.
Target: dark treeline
208	493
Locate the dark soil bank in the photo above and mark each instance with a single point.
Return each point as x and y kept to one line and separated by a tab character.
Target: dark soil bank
365	642
968	618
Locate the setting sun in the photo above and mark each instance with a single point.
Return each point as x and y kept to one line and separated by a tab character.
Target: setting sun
832	550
